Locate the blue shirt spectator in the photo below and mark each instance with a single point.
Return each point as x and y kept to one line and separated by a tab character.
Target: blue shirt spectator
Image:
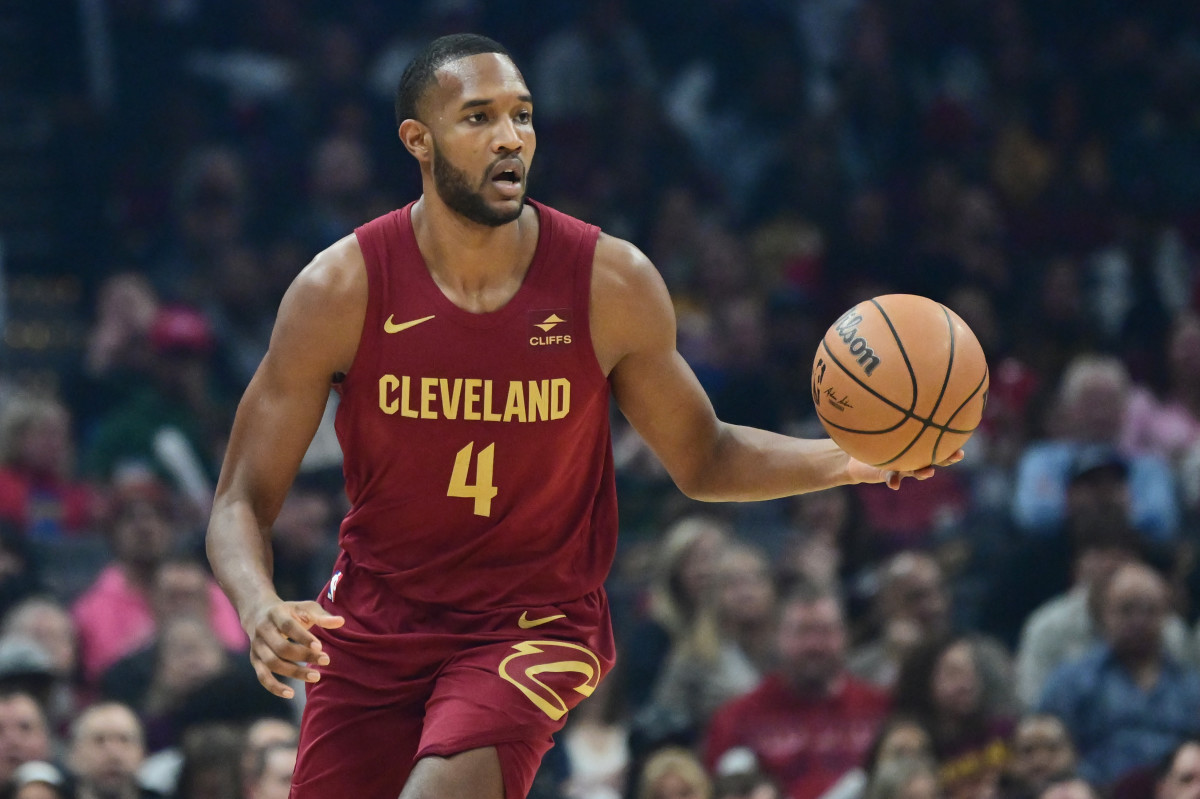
1126	702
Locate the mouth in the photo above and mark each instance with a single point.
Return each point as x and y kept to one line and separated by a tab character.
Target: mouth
508	177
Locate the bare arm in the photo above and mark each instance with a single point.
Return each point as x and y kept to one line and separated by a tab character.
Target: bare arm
316	334
633	328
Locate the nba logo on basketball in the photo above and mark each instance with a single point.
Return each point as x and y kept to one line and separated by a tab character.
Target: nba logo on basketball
551	327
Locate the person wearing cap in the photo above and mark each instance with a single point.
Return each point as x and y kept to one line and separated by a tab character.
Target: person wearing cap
1089	412
38	779
173	423
24	733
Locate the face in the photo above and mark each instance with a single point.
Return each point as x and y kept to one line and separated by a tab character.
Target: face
812	644
917	593
1070	789
37	790
1042	751
922	786
142	534
1183	779
698	567
264	734
23	733
746	591
480	120
181	589
107	749
955	681
276	779
51	627
1133	611
905	741
673	786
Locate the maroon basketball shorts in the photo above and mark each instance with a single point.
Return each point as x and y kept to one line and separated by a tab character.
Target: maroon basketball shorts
406	681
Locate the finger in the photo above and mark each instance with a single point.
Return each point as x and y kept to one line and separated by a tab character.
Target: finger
310	613
268	680
953	459
893	480
288	650
924	474
282	665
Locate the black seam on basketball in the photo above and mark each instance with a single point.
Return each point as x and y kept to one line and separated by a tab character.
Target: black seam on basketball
891	429
912	375
945	382
958	410
908	414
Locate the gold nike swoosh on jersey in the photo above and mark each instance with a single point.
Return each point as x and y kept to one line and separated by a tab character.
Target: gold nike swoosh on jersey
526	623
391	326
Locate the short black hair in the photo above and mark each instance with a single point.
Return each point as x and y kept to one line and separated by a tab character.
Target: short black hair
418	75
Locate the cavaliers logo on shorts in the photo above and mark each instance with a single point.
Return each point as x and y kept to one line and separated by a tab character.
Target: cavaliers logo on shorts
532	659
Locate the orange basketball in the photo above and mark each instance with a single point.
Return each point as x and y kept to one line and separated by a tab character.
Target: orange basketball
900	382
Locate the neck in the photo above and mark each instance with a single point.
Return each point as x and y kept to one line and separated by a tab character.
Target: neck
1143	667
466	259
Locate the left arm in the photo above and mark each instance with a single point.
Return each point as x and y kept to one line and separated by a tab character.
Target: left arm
633	331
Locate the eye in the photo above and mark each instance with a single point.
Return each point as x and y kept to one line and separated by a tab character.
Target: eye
477	117
525	116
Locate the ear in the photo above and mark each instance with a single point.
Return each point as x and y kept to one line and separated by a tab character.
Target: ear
417	139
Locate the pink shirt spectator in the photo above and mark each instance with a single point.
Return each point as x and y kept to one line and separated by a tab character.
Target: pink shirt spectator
114	620
1167	429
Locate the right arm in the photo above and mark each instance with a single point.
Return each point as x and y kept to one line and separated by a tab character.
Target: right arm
315	336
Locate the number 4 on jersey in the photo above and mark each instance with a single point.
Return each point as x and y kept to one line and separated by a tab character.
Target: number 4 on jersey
482	489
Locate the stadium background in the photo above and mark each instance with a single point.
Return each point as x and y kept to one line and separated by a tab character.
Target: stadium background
166	167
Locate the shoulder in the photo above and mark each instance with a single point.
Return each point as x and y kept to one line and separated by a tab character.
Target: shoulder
630	307
337	274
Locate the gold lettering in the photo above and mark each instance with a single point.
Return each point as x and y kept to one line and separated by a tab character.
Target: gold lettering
427	397
472	399
539	400
560	397
489	415
450	399
515	406
405	409
388	404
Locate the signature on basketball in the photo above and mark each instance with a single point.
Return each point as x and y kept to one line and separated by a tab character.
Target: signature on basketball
840	403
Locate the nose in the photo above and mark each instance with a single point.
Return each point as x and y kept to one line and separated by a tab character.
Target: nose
506	139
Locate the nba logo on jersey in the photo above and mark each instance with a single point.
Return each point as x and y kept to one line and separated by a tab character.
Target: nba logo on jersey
551	327
333	584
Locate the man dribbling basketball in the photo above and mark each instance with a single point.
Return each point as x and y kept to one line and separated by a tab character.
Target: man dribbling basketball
475	337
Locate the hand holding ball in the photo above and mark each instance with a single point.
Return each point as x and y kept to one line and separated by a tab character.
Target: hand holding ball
899	382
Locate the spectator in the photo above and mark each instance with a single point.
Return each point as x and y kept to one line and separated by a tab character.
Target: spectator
304	539
674	773
1179	776
942	685
810	721
1042	754
24	733
1126	702
912	607
905	778
722	655
39	492
1169	428
42	628
39	780
171	423
20	569
1065	627
899	737
686	566
1090	410
115	615
270	776
106	750
211	758
265	733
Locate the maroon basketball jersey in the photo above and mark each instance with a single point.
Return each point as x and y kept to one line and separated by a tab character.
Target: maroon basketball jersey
478	459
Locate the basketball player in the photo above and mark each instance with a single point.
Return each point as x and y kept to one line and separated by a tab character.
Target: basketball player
475	337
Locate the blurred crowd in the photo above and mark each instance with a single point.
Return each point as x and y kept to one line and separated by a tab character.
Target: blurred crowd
1023	626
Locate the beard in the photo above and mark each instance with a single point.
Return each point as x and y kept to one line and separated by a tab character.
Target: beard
455	190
